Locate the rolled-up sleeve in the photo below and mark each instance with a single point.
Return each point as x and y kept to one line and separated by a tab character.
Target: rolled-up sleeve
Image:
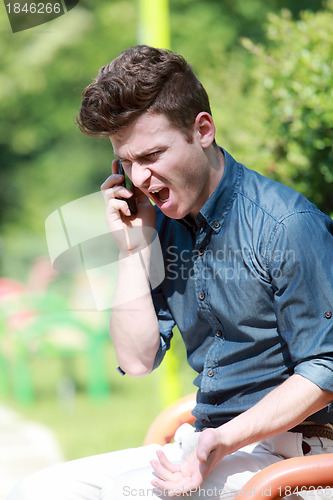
300	263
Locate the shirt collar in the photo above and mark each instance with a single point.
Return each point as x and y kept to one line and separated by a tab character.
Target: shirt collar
216	208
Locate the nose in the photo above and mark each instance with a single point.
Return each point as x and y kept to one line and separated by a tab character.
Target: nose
140	174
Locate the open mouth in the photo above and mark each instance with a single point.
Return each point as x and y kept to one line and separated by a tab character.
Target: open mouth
161	195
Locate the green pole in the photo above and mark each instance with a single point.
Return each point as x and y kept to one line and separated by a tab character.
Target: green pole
154	26
154	30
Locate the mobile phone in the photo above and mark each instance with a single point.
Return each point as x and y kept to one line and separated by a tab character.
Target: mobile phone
128	184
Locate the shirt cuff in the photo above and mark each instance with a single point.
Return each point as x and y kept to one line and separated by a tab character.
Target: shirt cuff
319	371
160	353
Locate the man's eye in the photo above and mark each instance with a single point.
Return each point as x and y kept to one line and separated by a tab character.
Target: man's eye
152	156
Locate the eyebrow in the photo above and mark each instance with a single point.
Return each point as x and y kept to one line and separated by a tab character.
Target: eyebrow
144	153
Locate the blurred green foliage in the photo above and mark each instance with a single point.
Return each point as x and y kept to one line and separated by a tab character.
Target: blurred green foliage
45	160
296	69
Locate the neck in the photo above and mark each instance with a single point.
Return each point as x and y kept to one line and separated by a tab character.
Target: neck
215	157
216	160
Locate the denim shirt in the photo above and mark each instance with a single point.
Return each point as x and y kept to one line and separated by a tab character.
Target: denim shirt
249	284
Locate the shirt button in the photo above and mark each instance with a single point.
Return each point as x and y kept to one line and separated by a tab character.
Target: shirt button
328	314
216	224
210	373
218	333
202	296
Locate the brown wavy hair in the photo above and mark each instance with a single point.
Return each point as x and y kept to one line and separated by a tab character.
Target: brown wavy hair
139	80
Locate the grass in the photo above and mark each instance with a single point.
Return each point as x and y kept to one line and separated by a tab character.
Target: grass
84	426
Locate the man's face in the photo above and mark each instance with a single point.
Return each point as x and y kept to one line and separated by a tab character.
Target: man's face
173	173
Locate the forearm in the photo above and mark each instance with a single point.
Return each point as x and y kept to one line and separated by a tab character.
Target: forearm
133	323
283	408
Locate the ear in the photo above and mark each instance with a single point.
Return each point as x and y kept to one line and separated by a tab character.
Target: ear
204	128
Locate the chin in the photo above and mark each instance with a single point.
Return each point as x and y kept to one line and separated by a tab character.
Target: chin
176	214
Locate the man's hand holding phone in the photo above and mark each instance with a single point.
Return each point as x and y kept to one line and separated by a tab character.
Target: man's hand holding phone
123	222
128	184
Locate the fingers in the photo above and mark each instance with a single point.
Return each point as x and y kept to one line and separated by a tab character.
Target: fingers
166	471
169	478
116	179
112	181
113	192
175	489
168	489
165	462
114	202
176	479
114	167
118	206
163	467
116	192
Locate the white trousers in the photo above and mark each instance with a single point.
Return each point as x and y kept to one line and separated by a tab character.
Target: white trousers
127	474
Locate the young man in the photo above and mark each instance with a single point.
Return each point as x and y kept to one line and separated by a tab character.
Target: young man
248	280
